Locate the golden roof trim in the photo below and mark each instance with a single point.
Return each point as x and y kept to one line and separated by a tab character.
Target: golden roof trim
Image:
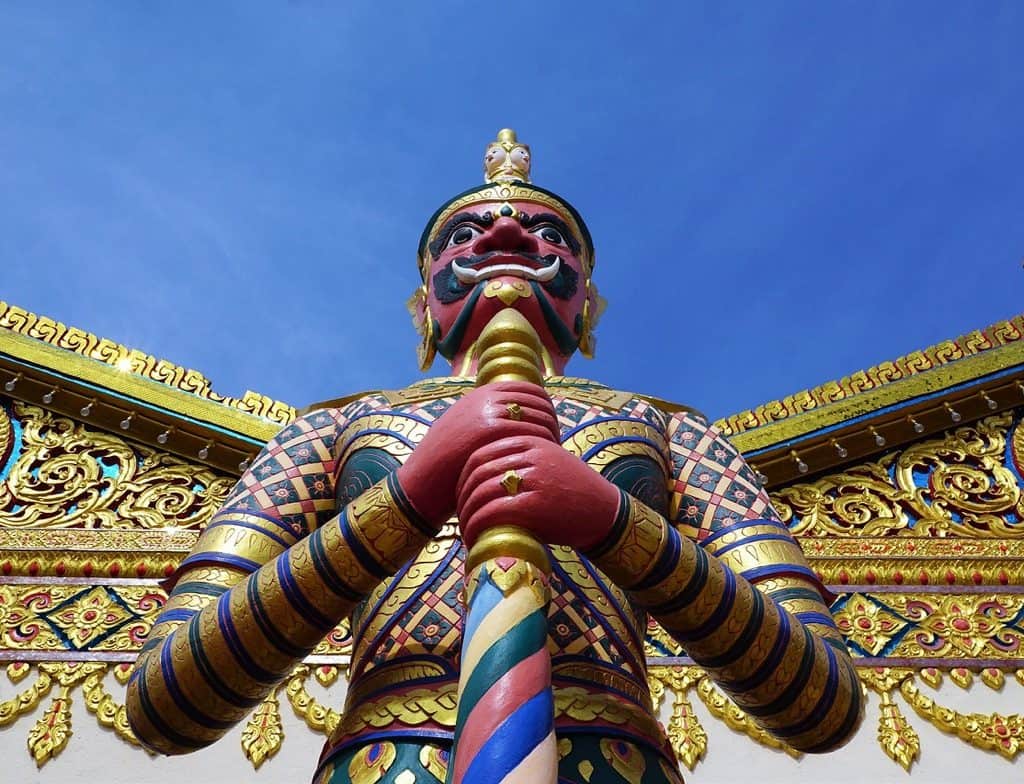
141	375
892	381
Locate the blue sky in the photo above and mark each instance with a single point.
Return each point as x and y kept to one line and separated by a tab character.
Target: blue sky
780	193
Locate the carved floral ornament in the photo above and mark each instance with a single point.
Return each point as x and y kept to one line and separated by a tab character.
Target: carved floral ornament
63	475
955	500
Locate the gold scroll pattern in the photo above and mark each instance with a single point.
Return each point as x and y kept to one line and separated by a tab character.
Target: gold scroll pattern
262	736
999	334
955	485
86	344
68	476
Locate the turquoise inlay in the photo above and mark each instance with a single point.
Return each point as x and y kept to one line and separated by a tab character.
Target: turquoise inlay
16	434
108	467
1008	460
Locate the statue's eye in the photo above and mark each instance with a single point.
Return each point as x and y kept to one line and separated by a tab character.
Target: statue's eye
462	235
551	235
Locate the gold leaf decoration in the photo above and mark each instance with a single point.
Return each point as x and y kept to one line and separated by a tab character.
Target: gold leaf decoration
26	701
263	733
16	671
932	676
999	334
685	733
326	675
318	717
688	738
67	475
86	344
898	739
992	732
954	485
993	678
724	709
51	733
962	677
108	712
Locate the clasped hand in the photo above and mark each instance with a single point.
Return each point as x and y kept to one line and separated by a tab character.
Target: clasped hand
495	458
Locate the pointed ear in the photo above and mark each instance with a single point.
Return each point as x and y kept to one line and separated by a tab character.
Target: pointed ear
417	307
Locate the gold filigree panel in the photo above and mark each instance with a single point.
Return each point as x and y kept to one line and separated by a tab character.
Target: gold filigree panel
956	485
61	474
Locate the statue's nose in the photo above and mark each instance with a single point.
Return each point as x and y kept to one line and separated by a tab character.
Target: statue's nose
508	236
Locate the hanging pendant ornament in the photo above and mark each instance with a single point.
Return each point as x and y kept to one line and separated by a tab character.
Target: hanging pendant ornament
424	323
589	319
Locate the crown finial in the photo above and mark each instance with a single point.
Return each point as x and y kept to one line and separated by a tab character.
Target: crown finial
507	159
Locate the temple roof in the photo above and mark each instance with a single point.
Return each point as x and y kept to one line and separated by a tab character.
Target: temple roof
805	433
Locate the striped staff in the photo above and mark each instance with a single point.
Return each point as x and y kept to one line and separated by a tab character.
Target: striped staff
504	731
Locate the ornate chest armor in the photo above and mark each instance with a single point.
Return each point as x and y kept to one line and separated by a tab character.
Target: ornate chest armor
407	633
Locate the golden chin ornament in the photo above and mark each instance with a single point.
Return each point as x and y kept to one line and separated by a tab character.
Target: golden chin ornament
508	291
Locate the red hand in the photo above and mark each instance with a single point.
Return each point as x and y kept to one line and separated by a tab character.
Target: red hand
559	498
429	475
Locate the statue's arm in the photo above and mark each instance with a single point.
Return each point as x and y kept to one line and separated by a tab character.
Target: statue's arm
277	568
742	599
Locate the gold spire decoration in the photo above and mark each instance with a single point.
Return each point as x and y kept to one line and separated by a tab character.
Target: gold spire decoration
507	159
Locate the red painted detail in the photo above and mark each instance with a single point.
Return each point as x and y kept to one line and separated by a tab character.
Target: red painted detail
513	689
505	562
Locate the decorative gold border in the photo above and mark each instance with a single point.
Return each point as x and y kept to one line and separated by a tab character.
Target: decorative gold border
262	735
29	337
970	356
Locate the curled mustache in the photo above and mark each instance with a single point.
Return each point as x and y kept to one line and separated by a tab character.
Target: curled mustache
470	274
459	276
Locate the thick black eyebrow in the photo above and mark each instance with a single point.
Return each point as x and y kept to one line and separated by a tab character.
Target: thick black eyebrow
549	217
483	221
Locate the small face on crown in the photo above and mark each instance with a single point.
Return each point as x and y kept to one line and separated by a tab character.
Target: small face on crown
507	159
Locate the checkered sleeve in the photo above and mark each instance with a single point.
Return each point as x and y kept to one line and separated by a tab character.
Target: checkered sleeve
277	568
728	581
717	500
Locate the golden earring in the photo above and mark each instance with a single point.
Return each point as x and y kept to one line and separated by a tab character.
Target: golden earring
424	324
588	320
427	349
